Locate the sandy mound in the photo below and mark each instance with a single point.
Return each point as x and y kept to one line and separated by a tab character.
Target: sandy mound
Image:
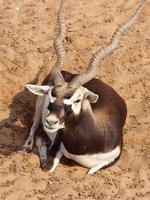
27	30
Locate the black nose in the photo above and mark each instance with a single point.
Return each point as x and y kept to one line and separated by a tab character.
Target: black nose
52	122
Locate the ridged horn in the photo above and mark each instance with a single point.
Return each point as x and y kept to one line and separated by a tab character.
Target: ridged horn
100	54
56	75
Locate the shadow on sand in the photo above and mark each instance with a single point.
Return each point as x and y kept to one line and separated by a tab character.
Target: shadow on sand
14	130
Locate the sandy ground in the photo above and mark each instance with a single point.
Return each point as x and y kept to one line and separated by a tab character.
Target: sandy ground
27	30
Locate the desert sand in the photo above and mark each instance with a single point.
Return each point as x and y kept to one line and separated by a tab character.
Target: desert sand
27	31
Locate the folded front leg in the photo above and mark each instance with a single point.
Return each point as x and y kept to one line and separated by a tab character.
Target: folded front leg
27	147
42	150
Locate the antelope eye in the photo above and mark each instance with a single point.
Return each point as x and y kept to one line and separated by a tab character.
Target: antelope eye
77	101
50	106
53	93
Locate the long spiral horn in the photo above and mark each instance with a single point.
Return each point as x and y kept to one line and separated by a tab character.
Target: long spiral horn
56	75
100	54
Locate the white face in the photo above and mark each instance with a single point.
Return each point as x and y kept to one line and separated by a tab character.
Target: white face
51	98
57	109
52	123
75	101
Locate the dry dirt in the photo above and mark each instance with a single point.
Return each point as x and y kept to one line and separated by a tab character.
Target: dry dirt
27	30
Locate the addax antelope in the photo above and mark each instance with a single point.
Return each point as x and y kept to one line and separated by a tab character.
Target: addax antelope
82	116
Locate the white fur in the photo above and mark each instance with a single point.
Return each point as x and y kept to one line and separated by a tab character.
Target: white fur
38	89
78	95
81	94
52	99
93	161
56	161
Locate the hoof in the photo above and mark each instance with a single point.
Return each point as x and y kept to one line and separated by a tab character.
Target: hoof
45	165
28	146
26	149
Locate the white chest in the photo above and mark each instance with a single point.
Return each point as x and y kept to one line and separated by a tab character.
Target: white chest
51	135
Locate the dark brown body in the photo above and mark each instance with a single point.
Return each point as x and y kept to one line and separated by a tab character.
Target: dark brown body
82	135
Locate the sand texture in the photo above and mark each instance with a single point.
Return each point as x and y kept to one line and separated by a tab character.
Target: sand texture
27	30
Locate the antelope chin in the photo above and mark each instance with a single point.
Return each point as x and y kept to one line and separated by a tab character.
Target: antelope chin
52	129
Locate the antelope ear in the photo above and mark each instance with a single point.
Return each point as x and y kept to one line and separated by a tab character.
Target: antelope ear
91	96
37	89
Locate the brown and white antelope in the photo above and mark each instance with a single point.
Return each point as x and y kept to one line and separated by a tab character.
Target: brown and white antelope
81	115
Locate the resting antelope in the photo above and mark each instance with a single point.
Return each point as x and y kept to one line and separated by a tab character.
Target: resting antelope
81	114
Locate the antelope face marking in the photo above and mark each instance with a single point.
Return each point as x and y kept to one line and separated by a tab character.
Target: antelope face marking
62	108
73	103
